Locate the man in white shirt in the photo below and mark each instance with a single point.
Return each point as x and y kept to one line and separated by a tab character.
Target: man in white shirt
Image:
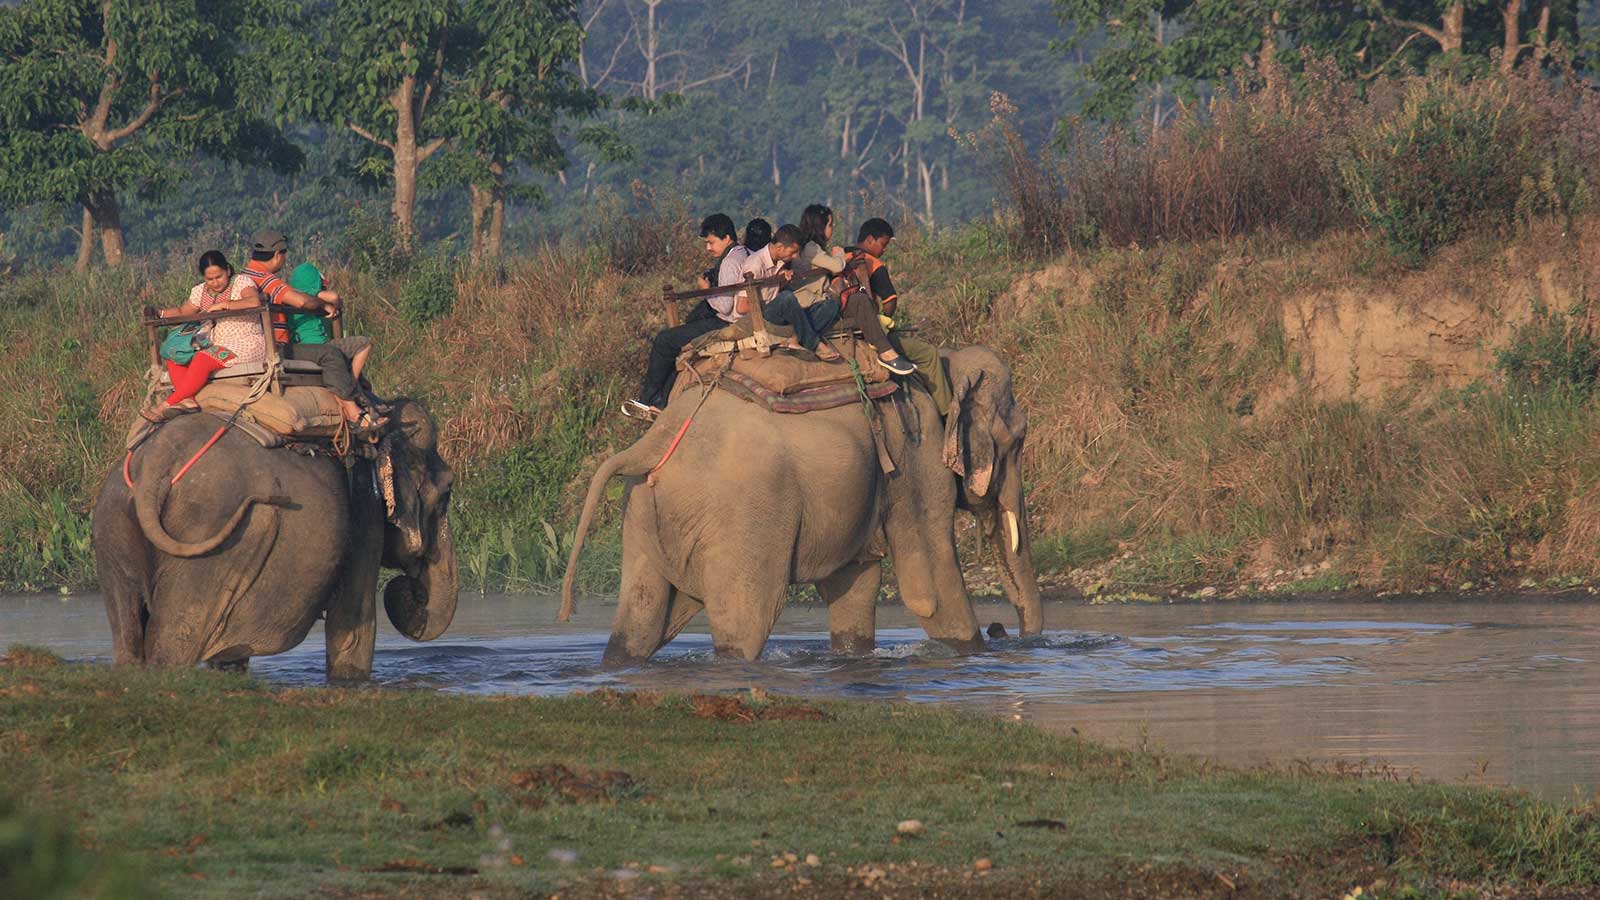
722	245
778	304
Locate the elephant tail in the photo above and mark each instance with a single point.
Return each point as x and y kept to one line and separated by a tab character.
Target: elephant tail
151	495
632	462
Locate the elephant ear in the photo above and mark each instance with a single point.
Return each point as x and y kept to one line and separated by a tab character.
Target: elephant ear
969	449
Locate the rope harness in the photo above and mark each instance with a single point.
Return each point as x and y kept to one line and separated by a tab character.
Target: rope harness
707	386
257	391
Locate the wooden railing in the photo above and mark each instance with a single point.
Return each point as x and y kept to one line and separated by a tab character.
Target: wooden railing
266	311
749	287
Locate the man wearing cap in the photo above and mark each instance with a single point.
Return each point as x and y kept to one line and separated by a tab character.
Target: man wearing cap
268	254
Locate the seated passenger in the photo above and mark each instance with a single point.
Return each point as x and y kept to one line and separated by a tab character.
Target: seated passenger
826	304
723	247
779	306
268	254
231	341
757	234
872	240
311	335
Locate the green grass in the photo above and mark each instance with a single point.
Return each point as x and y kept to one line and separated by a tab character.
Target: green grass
219	786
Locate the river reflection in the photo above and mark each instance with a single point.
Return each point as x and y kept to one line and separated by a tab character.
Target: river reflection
1505	691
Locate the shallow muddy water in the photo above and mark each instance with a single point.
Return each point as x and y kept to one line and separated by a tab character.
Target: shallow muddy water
1504	691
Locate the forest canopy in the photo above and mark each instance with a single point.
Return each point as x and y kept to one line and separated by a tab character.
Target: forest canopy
481	122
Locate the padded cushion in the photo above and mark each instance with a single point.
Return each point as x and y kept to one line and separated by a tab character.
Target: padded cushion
789	371
297	412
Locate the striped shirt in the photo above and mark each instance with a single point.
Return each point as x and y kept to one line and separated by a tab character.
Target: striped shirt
270	287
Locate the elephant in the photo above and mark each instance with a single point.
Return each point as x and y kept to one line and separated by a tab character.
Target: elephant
750	501
240	556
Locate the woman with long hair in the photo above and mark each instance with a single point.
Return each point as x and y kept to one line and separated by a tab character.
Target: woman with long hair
822	296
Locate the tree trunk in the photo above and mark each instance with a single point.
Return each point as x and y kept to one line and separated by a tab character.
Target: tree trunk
1541	38
1454	27
1511	48
85	241
925	175
108	221
480	204
497	226
405	184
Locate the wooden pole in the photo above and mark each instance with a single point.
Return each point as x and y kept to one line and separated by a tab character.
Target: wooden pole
758	322
674	312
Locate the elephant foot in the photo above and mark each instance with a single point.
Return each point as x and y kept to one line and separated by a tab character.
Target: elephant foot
854	644
964	646
236	666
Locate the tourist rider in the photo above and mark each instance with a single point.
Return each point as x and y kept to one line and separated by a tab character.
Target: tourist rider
872	241
723	247
826	305
233	340
268	254
311	335
778	305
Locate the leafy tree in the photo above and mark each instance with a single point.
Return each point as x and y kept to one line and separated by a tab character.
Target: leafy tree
1151	47
510	104
100	97
380	71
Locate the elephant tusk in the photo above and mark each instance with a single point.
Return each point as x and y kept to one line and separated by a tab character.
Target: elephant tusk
1013	531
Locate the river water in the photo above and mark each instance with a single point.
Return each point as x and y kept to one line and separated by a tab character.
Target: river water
1503	690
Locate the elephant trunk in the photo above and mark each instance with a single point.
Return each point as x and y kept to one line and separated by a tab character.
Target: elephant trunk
151	495
1009	533
421	606
625	463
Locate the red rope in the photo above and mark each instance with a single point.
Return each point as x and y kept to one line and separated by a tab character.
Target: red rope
650	478
126	478
201	452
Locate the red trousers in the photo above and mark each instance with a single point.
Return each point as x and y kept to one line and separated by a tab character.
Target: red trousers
188	380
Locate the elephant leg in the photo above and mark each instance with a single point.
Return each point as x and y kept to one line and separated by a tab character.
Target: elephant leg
125	607
743	620
852	597
681	610
640	627
351	628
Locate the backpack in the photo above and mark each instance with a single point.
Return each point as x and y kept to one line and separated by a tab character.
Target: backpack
184	341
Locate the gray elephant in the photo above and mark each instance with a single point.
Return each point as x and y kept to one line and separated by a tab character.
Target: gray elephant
251	546
751	501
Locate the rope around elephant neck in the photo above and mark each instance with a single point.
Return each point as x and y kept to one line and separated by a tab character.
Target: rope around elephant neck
650	477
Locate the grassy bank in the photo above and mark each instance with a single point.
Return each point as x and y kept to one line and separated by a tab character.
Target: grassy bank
208	785
1258	412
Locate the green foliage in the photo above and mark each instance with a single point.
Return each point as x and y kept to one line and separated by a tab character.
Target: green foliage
371	244
98	99
1145	49
429	291
42	860
1553	349
1446	160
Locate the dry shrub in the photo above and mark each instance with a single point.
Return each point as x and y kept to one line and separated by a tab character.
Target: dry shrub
1417	159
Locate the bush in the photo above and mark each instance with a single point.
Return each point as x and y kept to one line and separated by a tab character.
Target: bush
1418	159
371	243
429	292
1552	350
1435	157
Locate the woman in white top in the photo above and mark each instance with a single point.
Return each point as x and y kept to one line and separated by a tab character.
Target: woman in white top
825	309
234	340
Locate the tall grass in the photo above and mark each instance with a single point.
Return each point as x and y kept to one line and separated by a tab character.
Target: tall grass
1171	438
1416	160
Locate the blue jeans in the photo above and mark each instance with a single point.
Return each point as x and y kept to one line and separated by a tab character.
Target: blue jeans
784	309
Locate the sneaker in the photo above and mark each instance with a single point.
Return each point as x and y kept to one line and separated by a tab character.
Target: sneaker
898	366
638	409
